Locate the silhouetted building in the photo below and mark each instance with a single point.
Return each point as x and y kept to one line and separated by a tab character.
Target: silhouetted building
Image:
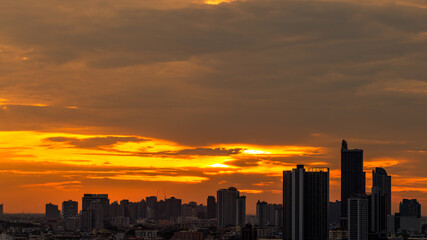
95	211
52	212
211	203
410	208
261	214
70	209
269	214
352	176
358	218
1	209
151	205
381	180
334	212
306	198
279	216
378	211
241	211
173	206
227	207
161	210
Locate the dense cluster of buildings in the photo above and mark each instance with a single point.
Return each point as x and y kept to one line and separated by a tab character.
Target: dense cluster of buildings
306	213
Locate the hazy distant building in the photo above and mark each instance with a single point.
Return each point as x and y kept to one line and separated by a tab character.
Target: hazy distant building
352	176
227	207
241	211
358	218
95	211
410	208
305	203
261	214
52	212
70	209
269	214
151	205
173	206
211	209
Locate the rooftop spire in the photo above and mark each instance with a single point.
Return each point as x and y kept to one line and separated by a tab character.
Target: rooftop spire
344	145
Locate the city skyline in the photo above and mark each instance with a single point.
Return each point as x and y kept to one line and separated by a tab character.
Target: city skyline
235	150
185	97
344	147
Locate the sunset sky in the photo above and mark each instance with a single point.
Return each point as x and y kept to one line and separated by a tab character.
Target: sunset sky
182	97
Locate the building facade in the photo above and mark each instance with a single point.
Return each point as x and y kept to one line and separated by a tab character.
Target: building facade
70	209
306	199
52	212
211	203
230	207
352	176
358	218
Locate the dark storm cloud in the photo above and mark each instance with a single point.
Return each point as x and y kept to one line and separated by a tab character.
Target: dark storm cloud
95	141
261	72
207	151
244	162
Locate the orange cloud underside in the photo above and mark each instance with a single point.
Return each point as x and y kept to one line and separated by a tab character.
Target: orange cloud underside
64	162
135	151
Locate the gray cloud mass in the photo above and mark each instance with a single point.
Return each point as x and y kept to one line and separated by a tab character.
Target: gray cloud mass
272	72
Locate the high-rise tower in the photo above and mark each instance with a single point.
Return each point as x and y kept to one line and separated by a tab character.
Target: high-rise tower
352	176
69	209
358	214
231	207
381	200
305	203
211	207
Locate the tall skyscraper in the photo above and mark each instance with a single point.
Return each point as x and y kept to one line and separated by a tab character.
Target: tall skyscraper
380	205
227	207
52	212
381	180
352	176
378	211
305	203
410	208
211	203
358	222
69	209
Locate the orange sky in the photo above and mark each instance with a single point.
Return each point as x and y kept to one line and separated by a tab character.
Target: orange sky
53	166
183	97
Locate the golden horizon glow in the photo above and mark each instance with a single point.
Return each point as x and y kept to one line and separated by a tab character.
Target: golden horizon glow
217	2
138	151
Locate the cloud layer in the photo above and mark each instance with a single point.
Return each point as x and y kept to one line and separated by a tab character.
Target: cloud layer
207	82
